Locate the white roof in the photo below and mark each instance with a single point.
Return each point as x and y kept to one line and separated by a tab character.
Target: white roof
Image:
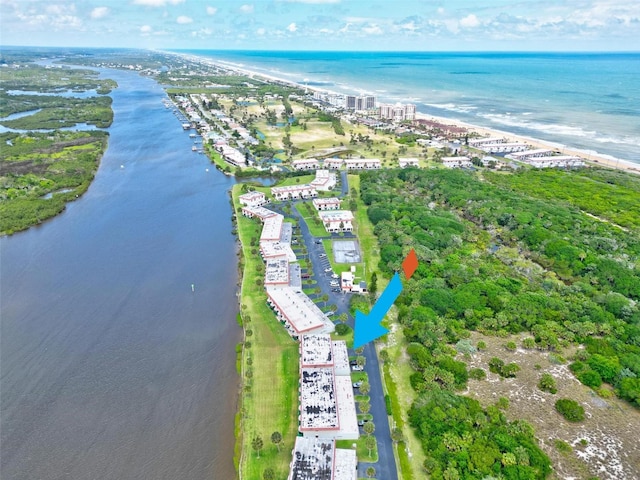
318	409
272	228
336	216
316	351
326	201
291	188
260	212
526	153
348	420
300	311
277	271
250	197
277	249
340	356
346	464
313	459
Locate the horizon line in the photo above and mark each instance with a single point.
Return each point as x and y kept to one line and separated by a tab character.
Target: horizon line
322	50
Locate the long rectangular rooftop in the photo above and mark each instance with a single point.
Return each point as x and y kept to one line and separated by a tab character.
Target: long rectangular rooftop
318	403
272	228
301	313
316	351
313	459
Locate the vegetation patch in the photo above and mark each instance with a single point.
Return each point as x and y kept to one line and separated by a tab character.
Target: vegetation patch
41	172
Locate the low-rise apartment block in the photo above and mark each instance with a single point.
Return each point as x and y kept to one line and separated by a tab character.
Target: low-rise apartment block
331	203
337	220
324	181
456	162
362	163
253	199
333	163
408	162
297	311
316	459
293	192
306	164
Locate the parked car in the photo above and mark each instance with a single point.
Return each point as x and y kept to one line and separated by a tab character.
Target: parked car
334	284
322	255
357	384
335	275
327	270
357	368
337	290
318	242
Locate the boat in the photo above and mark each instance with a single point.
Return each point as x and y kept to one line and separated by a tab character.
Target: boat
194	149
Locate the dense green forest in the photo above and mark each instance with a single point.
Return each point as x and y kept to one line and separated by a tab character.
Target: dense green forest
501	254
41	172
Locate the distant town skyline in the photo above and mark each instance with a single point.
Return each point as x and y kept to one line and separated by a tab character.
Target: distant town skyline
455	25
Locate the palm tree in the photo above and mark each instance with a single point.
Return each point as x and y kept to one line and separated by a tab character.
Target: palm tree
257	444
370	443
369	428
276	437
364	388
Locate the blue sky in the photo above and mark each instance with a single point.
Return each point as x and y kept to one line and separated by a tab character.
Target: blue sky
569	25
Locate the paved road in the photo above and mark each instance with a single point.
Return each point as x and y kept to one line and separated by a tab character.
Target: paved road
386	466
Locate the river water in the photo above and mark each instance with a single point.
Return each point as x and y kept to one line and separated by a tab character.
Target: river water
111	366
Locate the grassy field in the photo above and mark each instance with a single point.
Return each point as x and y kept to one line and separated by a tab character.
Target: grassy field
316	229
269	400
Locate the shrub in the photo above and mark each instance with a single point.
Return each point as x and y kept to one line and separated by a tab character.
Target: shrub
495	365
562	446
556	359
477	374
510	370
547	383
571	410
511	346
590	378
342	329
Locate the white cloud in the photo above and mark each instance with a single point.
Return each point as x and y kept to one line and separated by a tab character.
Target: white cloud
470	21
312	1
145	29
202	33
157	3
99	12
261	31
246	8
211	10
440	10
409	26
292	27
372	30
183	19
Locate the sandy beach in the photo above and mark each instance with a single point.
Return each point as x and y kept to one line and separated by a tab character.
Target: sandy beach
592	158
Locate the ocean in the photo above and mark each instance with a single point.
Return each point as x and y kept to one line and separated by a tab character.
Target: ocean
587	101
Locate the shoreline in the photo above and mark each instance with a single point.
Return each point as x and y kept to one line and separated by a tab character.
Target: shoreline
592	158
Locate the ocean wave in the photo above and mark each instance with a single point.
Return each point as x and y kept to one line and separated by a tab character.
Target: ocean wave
561	130
454	107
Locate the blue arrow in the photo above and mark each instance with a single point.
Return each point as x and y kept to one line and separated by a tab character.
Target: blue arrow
367	327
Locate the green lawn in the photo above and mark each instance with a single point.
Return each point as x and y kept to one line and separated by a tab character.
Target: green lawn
269	400
309	216
361	450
